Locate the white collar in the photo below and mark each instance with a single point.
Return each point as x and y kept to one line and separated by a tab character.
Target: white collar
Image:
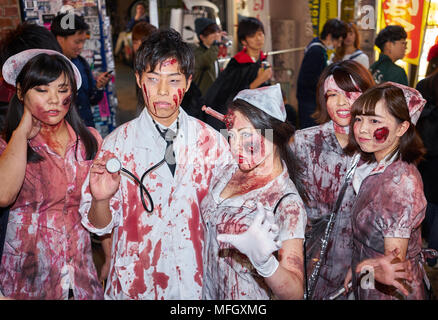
147	135
368	169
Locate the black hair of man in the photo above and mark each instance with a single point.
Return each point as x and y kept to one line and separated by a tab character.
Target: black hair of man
248	27
64	26
336	28
162	45
390	34
26	36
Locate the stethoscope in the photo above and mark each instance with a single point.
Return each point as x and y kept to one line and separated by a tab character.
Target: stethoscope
114	165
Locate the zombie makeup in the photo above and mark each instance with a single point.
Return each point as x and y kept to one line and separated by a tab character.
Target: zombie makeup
213	113
178	98
338	103
381	134
169	62
67	101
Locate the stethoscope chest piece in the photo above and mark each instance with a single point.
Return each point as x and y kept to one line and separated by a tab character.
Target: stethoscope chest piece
113	165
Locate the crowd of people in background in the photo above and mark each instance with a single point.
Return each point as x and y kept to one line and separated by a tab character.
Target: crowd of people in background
217	189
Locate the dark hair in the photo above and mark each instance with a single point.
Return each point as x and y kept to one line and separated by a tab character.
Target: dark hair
212	28
142	30
390	34
341	72
335	27
141	3
26	36
70	28
282	133
162	45
411	149
429	89
340	51
248	27
41	70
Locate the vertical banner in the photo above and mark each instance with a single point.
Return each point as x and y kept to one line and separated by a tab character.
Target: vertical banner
412	16
320	12
153	13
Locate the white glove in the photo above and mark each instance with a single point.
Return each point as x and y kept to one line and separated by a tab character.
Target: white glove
258	242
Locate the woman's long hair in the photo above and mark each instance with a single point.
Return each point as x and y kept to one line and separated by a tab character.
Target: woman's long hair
340	52
41	70
282	133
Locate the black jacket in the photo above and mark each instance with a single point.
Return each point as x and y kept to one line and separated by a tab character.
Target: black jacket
427	127
237	76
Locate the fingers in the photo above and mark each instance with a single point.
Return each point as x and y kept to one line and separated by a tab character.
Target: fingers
403	275
400	287
98	166
227	238
260	215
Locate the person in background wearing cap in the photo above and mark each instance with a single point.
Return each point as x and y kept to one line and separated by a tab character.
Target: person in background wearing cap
390	203
255	209
324	167
392	44
206	64
246	70
72	42
46	152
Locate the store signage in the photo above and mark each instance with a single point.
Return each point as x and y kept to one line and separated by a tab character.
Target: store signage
412	16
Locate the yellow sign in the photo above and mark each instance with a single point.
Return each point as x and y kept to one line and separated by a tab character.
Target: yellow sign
320	12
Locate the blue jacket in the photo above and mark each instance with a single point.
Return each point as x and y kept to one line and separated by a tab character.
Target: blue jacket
88	93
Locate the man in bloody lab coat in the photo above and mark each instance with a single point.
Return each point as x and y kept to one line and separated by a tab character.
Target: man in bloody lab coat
158	254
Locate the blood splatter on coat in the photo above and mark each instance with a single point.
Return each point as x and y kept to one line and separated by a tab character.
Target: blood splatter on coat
228	274
390	204
158	255
324	165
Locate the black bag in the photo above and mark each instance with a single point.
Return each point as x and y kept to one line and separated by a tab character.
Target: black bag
318	232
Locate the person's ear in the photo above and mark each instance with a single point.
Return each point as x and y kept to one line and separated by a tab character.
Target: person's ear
244	43
138	79
402	128
387	47
189	82
19	92
60	41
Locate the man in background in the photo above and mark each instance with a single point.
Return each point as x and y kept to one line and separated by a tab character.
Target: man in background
71	37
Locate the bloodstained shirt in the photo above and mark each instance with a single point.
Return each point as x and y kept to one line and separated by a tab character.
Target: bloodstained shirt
47	250
390	204
228	274
158	255
324	166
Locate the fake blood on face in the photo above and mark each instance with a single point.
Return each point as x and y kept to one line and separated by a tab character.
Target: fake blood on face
169	62
381	134
147	96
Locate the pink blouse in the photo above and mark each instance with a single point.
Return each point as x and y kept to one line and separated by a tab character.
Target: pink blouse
47	250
